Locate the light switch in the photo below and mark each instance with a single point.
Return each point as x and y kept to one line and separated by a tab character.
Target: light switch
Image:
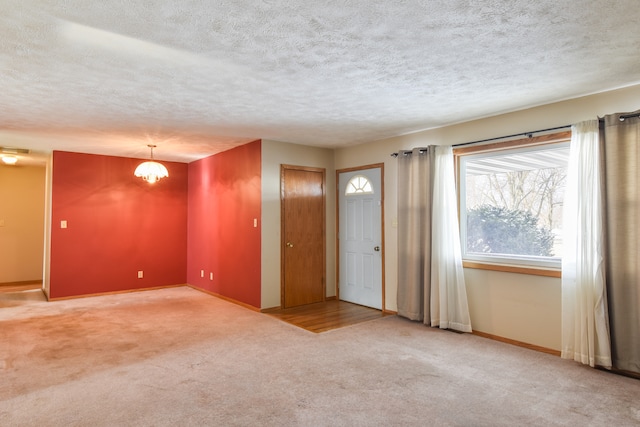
63	224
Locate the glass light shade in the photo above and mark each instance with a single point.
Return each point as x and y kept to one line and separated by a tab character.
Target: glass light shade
9	160
151	171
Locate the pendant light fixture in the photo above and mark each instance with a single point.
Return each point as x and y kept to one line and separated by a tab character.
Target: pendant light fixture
151	171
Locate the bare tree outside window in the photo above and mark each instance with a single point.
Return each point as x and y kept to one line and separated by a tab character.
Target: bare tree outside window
513	202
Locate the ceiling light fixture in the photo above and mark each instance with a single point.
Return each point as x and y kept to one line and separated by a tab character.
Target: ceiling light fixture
151	171
9	160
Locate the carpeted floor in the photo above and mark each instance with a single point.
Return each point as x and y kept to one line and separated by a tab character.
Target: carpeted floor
181	357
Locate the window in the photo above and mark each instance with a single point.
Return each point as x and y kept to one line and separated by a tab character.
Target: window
359	184
511	198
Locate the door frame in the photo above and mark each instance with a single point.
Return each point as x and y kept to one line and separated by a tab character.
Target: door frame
382	273
323	171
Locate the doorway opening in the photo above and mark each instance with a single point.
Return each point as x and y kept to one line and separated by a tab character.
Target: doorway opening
22	231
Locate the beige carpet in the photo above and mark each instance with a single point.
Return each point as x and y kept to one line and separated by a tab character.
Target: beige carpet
181	357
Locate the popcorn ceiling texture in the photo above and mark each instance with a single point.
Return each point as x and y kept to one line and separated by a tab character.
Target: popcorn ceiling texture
197	77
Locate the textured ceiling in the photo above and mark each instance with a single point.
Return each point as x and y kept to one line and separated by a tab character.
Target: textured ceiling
197	77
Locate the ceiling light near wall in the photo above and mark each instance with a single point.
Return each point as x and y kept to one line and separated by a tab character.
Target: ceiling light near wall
9	160
8	154
151	171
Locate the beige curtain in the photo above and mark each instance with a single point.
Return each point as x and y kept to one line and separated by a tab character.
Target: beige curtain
621	140
431	284
414	233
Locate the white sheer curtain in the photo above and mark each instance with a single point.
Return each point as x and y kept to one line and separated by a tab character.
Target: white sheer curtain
431	285
449	308
585	324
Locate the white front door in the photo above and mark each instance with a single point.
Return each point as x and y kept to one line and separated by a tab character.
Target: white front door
360	243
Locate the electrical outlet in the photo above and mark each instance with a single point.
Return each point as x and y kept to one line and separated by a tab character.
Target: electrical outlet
140	274
201	273
211	276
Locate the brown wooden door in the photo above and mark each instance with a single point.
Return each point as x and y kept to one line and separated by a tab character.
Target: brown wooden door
303	235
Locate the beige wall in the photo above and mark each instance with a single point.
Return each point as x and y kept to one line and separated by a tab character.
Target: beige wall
21	223
273	155
519	307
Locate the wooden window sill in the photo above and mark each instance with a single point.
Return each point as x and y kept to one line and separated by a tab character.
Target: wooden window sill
513	269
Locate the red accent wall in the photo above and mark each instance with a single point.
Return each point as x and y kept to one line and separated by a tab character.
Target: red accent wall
224	198
117	224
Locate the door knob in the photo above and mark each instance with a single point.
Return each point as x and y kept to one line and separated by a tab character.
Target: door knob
289	244
377	249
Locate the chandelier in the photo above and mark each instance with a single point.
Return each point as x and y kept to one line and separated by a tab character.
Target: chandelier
151	171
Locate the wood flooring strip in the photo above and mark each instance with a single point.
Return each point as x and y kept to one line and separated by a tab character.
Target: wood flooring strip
328	318
342	318
324	316
325	326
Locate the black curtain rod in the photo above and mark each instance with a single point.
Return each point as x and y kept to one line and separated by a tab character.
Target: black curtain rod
623	117
527	134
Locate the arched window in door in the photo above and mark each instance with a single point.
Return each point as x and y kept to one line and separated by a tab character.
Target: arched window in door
359	184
